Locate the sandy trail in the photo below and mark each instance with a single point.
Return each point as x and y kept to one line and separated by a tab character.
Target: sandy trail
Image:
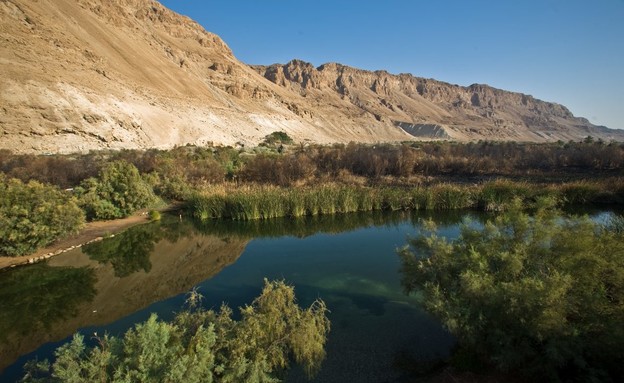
92	231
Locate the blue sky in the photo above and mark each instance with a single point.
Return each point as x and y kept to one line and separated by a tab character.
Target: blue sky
566	51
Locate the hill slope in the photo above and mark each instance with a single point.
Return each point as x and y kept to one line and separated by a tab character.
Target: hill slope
93	74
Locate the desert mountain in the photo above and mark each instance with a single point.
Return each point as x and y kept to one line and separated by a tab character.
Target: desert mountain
77	75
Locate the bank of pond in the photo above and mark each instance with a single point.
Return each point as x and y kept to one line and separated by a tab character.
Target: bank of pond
410	294
34	214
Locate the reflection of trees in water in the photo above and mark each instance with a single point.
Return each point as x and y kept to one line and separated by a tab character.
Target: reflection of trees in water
37	296
309	225
129	251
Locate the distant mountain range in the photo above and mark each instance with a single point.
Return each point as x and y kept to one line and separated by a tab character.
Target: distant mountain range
94	74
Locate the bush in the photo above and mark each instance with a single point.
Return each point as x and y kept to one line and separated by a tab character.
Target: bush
276	138
154	215
117	192
541	295
201	346
33	215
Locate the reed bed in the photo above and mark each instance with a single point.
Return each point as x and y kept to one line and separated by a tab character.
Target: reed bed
253	202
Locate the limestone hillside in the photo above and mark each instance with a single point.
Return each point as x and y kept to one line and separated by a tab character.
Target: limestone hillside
77	75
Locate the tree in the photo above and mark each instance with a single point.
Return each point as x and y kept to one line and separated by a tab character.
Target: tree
200	345
33	215
540	294
117	192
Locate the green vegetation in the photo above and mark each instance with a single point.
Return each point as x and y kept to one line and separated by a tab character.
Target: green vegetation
35	297
117	192
264	202
270	202
276	138
33	215
154	215
173	171
261	182
201	345
539	294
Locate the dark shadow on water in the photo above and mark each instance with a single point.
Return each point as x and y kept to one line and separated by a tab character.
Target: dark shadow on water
35	297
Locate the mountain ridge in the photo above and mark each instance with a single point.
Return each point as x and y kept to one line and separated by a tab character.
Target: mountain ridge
80	75
442	103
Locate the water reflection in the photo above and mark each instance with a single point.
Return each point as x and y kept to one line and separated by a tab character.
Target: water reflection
355	273
107	281
302	227
34	300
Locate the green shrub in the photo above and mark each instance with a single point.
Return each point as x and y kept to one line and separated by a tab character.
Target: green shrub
154	215
200	345
117	192
276	138
579	193
496	195
33	215
540	294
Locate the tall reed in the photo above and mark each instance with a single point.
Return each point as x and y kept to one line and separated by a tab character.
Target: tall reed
252	202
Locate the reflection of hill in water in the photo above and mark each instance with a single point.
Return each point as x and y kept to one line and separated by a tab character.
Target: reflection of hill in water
149	263
175	267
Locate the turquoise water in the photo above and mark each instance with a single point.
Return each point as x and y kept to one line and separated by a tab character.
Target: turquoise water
349	261
374	325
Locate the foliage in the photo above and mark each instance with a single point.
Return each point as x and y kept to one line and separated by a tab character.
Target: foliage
33	215
277	138
176	169
283	170
201	346
263	202
540	294
118	191
154	215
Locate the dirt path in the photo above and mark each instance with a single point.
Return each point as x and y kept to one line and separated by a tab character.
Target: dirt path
93	231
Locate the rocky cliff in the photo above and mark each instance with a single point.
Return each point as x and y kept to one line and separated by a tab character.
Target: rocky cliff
429	108
78	75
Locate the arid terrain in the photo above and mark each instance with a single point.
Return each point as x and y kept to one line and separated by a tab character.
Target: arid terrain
78	75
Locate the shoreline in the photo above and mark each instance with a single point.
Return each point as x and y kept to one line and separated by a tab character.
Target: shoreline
91	232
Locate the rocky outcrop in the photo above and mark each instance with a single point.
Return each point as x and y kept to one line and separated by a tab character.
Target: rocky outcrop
474	112
93	74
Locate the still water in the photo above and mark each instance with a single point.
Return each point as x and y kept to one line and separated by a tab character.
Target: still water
347	260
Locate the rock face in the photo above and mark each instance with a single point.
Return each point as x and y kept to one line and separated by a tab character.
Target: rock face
429	108
94	74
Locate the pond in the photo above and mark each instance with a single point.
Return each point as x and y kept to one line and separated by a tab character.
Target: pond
378	333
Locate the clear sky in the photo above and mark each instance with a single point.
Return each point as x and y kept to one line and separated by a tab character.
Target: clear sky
565	51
